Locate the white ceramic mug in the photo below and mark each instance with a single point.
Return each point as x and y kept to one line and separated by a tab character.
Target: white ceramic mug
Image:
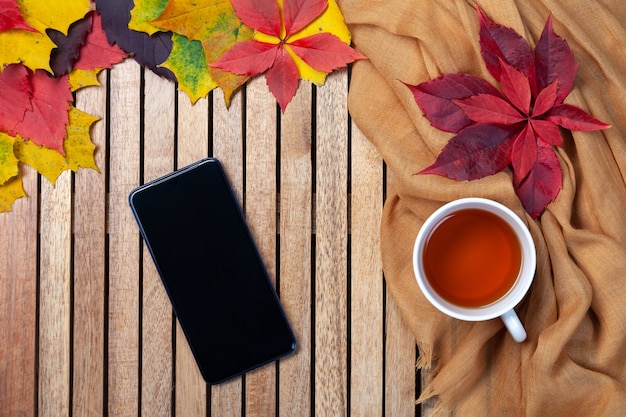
502	307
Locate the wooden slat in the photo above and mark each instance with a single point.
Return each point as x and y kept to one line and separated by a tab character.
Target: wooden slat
295	251
18	302
260	212
192	145
331	344
227	398
123	308
400	370
156	325
367	314
89	265
55	297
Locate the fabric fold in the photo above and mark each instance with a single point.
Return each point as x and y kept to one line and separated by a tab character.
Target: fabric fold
574	361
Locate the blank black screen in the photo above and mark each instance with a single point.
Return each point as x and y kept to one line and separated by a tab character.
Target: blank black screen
212	271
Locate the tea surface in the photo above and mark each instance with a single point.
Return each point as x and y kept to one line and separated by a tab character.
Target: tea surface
472	258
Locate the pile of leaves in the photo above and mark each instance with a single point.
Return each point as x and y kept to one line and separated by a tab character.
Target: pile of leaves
48	50
516	126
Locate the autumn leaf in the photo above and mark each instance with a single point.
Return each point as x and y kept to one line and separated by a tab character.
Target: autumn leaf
11	191
15	96
33	48
45	123
516	126
148	50
96	53
187	59
275	49
63	57
215	25
11	17
79	149
8	161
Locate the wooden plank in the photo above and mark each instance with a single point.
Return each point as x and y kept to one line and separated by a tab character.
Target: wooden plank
260	212
55	297
400	369
193	144
295	254
295	251
366	328
331	257
123	308
227	398
18	302
156	324
89	265
401	390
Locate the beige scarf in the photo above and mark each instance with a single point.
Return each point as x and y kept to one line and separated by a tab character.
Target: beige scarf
574	361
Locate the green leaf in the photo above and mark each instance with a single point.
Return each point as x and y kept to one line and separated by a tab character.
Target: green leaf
188	62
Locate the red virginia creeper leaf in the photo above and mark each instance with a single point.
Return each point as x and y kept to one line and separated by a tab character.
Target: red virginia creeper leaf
477	151
97	52
15	96
545	100
524	152
297	14
554	61
485	108
573	118
542	184
248	58
515	87
45	124
262	15
282	78
500	42
324	51
435	99
547	132
11	17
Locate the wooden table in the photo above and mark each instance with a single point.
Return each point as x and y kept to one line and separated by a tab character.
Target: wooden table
86	328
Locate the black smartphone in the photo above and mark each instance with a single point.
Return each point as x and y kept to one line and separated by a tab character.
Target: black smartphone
212	271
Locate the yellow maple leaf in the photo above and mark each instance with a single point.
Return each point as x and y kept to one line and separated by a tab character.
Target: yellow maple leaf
11	191
8	162
79	149
33	48
84	78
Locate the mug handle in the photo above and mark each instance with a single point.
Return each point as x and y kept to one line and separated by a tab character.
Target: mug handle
514	325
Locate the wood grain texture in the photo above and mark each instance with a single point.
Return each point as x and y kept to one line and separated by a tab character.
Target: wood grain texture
124	242
260	213
157	374
366	295
18	302
55	296
331	247
103	340
296	193
227	398
192	145
89	219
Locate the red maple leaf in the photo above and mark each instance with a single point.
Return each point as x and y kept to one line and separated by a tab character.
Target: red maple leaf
15	96
45	122
323	51
97	53
517	126
11	17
